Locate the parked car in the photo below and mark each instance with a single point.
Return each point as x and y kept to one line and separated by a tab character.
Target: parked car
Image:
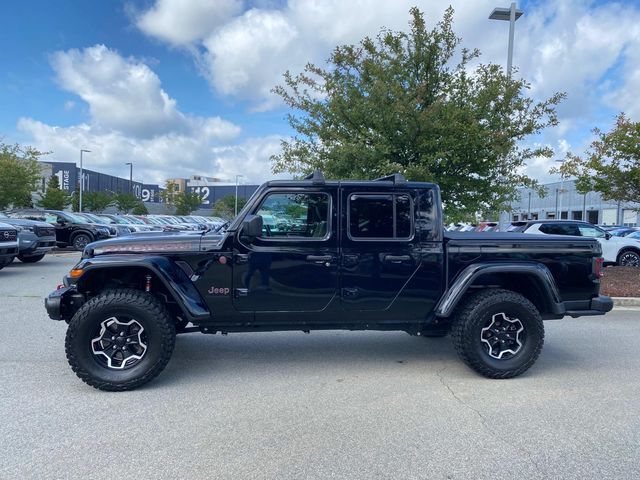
368	256
71	231
114	230
621	232
35	239
125	222
623	251
8	244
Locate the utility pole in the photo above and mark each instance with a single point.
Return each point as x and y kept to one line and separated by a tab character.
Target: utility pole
81	179
130	176
510	14
235	210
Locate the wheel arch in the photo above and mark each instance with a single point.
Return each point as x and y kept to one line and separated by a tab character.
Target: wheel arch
626	248
166	279
533	281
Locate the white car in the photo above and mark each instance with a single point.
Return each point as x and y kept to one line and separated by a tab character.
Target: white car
623	251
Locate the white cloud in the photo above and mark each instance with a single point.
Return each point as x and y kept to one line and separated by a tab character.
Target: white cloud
181	22
155	159
133	119
124	94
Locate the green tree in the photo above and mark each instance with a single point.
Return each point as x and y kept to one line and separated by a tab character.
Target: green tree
140	209
169	193
125	202
611	164
401	103
19	175
96	201
225	207
54	198
75	198
187	202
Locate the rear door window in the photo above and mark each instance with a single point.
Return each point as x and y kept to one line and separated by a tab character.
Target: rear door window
380	216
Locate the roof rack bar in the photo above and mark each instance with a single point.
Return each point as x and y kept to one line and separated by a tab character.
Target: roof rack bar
317	177
395	178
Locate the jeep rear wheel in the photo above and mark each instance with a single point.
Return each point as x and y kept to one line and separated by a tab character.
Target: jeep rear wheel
498	333
120	340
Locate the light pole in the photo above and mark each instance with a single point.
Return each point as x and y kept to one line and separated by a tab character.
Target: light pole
559	213
511	14
130	176
236	207
81	179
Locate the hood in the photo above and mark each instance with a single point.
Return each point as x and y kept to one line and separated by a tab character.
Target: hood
25	223
160	242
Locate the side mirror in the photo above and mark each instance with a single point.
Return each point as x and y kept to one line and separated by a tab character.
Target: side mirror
61	221
607	235
252	226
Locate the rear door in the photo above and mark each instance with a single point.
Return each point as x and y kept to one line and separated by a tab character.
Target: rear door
380	252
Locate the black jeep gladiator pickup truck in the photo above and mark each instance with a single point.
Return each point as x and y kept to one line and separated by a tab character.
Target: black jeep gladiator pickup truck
315	254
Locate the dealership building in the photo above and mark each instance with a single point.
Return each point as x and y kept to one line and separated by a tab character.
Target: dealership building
211	189
563	201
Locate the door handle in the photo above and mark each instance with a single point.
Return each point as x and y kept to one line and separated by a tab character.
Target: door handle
241	258
320	259
350	260
396	259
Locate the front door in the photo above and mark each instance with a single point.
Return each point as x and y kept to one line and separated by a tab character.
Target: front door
293	265
380	253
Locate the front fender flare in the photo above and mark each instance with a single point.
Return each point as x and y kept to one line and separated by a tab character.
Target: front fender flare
175	280
465	279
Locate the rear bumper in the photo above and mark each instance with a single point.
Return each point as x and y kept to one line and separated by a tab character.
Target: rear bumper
597	306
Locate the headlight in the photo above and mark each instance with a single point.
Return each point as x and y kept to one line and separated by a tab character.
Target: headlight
103	230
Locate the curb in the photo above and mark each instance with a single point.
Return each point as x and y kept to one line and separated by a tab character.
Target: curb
626	301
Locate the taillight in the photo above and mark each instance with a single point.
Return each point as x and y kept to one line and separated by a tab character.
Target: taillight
598	264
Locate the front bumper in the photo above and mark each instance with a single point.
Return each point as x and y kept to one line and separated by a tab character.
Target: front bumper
8	249
30	244
61	304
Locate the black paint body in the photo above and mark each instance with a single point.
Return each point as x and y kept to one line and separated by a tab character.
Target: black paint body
231	282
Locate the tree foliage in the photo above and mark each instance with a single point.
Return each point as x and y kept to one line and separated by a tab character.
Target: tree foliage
168	195
140	209
401	103
96	201
187	202
611	164
54	198
19	174
225	207
125	202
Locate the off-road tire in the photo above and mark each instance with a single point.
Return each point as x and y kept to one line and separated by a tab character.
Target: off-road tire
476	311
148	311
30	259
79	245
629	258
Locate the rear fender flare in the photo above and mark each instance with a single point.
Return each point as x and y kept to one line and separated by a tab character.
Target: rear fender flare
454	294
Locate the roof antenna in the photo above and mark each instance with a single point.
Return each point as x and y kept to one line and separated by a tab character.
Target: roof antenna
317	177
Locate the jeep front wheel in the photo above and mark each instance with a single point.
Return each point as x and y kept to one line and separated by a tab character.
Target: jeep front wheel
120	340
498	333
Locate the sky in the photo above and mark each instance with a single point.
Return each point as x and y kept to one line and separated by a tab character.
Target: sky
183	87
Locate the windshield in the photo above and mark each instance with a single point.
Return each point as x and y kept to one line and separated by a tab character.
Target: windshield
133	220
96	219
74	218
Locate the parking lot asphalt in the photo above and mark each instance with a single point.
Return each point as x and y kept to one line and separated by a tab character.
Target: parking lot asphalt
325	405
